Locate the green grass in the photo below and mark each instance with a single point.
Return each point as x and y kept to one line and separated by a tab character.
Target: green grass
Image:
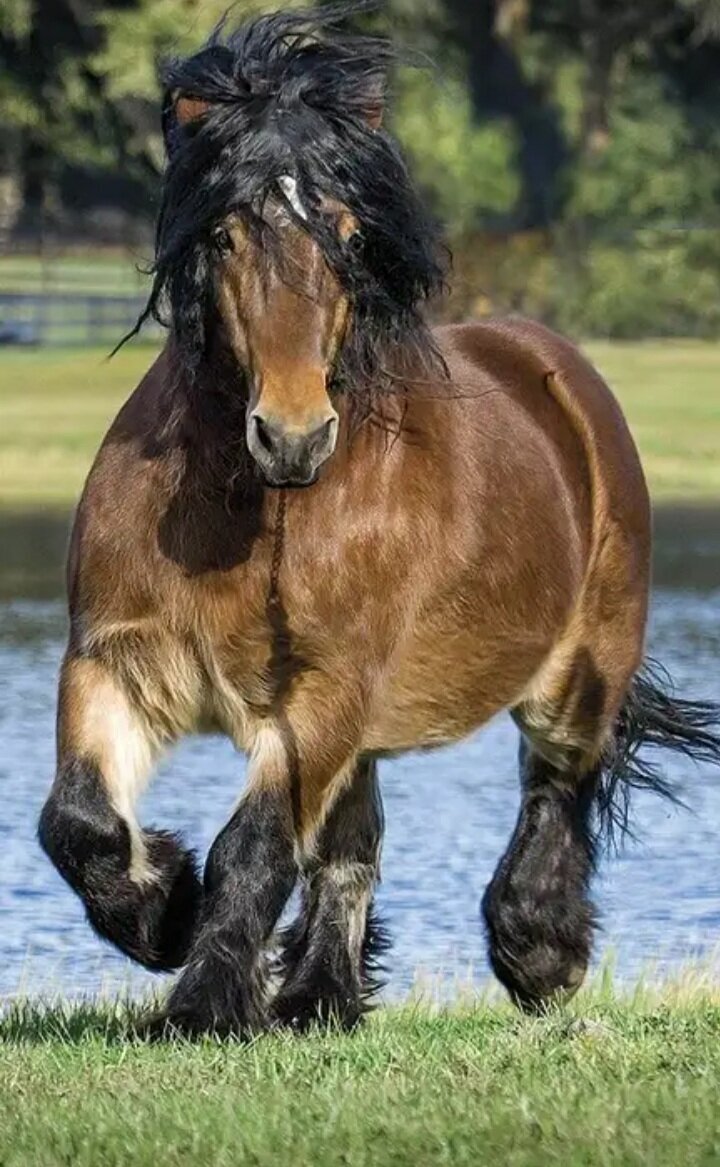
56	404
54	409
670	391
608	1081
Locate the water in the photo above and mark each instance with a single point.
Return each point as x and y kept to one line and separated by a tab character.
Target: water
449	814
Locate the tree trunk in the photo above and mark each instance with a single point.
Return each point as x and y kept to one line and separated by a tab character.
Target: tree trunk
499	88
600	55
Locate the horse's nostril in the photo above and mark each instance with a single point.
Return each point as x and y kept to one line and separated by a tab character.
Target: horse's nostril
328	431
262	432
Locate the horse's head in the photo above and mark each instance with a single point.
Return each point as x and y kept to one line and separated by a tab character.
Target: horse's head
285	322
290	238
284	314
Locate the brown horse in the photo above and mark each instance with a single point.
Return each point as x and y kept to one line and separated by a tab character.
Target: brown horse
478	539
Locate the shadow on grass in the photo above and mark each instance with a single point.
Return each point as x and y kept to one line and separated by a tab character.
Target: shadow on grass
602	1008
73	1023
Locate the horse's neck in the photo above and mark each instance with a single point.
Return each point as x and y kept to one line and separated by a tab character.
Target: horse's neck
202	416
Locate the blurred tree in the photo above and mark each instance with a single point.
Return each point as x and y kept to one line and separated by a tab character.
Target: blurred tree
54	102
600	33
492	34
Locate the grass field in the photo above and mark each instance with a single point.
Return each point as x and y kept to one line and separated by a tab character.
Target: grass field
56	404
608	1081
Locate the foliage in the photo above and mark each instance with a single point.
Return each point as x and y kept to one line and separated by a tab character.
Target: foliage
581	125
650	171
468	171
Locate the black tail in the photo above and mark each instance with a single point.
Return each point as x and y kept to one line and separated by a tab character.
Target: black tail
652	717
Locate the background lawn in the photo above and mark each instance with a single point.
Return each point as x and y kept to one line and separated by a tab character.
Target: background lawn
56	404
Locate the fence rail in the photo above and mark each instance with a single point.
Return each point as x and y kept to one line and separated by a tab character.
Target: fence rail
31	318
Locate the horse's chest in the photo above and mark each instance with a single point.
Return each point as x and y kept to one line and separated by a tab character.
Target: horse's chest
252	657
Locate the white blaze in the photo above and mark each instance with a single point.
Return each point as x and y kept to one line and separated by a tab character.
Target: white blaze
288	185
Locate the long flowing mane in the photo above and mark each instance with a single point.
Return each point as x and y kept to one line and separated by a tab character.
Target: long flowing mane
289	93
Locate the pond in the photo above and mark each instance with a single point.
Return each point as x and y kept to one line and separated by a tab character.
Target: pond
449	814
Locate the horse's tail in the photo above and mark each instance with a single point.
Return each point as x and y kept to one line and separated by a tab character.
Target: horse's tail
651	718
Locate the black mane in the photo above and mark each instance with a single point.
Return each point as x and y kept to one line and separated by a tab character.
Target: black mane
288	94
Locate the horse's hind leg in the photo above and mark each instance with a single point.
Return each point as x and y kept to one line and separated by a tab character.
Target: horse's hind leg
537	908
329	952
538	914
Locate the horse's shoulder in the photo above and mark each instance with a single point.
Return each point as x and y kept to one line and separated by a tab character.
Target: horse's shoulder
136	452
124	488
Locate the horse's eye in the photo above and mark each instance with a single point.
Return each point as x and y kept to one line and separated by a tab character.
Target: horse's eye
222	240
356	243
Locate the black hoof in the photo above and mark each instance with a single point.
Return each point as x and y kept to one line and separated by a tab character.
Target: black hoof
216	998
154	921
549	979
541	974
329	1006
322	988
172	1025
539	952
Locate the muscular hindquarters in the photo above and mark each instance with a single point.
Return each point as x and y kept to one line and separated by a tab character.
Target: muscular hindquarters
517	557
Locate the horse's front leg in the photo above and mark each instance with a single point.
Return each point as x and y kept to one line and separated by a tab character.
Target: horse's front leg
249	874
140	888
329	952
252	868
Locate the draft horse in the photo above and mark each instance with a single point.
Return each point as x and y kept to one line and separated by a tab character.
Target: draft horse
334	535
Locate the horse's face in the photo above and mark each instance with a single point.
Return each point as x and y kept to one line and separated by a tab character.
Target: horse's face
285	321
259	251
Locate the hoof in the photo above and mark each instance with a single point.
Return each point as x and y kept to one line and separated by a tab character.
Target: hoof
168	1025
548	988
301	1011
540	953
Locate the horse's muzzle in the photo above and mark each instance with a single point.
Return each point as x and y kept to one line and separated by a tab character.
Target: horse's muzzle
288	456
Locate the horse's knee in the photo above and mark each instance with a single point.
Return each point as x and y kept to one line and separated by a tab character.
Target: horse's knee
150	914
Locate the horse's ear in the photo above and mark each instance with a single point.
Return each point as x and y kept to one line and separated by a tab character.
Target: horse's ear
187	107
372	101
180	109
374	112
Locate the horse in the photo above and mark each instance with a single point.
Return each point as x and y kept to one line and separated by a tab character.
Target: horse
334	534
